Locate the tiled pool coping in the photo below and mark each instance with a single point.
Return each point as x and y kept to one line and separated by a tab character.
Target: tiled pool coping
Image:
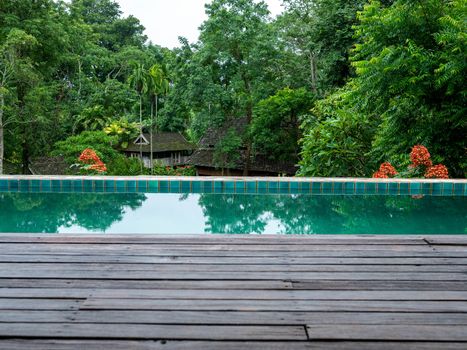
249	185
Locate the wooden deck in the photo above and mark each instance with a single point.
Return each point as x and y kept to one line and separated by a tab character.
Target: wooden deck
223	292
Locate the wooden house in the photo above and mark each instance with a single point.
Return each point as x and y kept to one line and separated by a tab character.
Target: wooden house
203	159
168	149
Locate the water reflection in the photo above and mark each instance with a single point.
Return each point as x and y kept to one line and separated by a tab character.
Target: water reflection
304	214
229	213
48	213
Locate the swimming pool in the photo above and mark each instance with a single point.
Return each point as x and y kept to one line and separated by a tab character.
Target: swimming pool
235	206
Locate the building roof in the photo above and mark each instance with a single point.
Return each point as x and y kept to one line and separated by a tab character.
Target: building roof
163	142
204	156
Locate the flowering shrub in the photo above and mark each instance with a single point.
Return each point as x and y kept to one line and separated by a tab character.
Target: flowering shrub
92	162
420	156
437	172
385	171
421	164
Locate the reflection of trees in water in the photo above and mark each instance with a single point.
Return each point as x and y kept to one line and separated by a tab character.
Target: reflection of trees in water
304	214
39	212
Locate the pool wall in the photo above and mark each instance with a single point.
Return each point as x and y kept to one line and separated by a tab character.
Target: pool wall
241	185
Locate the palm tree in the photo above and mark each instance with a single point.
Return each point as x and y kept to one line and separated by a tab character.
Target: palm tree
158	85
138	80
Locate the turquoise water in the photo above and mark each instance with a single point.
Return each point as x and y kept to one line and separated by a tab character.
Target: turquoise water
230	213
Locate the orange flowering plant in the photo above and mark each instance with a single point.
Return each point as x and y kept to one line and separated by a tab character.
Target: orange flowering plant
91	162
421	165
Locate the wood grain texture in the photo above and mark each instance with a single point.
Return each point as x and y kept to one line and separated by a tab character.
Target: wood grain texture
156	292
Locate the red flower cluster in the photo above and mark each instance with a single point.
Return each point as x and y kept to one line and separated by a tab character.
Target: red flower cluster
420	156
89	157
437	172
385	171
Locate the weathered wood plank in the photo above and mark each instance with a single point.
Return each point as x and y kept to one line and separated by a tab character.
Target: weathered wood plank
191	268
132	331
257	276
379	285
144	284
222	260
35	344
145	252
39	304
274	305
246	294
51	247
231	317
388	332
212	239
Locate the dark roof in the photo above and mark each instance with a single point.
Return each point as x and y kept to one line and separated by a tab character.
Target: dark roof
260	163
163	142
203	157
214	134
50	166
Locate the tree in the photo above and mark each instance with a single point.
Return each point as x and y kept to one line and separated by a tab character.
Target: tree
158	84
275	128
14	64
139	81
408	89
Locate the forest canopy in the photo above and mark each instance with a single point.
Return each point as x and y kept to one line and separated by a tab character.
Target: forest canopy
337	86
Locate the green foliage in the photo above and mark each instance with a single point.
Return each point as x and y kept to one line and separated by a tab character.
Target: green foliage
99	141
336	140
226	153
275	126
124	130
161	170
405	92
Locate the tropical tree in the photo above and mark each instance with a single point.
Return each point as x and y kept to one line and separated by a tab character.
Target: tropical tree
158	84
139	81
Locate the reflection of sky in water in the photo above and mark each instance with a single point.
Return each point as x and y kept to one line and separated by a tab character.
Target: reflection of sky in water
165	213
229	213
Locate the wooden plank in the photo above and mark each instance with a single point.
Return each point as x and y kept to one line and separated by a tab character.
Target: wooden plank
81	293
145	252
58	344
379	285
191	268
144	284
51	247
211	239
39	304
132	331
446	240
222	260
187	268
244	276
231	317
274	305
386	332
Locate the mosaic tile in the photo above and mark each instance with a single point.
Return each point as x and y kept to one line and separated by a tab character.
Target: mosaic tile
459	189
404	188
350	188
382	188
175	187
370	188
327	187
153	186
316	187
437	189
393	188
448	189
415	188
131	186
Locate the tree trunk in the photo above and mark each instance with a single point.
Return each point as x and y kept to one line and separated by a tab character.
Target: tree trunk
151	131
313	70
249	117
141	132
2	147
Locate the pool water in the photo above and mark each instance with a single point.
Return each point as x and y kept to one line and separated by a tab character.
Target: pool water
231	213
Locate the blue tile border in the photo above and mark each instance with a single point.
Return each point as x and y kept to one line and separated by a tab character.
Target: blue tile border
313	186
